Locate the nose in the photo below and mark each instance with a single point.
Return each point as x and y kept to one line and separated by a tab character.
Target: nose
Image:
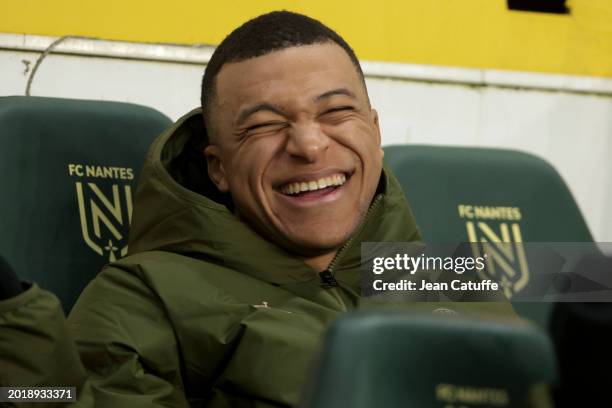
307	142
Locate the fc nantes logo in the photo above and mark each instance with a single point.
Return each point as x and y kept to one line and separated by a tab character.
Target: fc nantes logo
496	232
105	208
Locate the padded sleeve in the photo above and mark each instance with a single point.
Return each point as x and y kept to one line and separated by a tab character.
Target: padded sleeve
126	344
117	347
35	346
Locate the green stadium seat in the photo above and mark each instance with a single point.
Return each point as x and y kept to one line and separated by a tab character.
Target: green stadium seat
461	194
68	170
398	360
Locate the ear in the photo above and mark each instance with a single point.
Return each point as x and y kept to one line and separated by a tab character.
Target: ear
376	123
216	171
374	119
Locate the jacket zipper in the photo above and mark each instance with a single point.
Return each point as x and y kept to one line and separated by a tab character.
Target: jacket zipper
327	276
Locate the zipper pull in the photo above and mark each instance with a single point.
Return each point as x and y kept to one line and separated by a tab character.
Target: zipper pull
327	280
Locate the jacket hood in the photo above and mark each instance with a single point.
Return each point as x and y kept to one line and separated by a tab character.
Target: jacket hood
178	209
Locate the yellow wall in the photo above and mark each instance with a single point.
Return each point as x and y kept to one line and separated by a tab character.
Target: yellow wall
471	33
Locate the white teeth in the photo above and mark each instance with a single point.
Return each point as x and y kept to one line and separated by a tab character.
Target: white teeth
298	187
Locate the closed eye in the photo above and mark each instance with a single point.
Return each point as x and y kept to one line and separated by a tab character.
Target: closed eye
337	115
262	128
263	125
339	109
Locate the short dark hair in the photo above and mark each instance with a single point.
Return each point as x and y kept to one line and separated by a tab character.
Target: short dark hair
265	34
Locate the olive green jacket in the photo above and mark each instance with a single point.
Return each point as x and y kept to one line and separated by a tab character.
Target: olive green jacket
203	311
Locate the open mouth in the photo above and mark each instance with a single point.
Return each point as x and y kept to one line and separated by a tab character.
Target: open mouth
317	187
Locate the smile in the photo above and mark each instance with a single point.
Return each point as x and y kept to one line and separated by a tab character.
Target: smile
335	180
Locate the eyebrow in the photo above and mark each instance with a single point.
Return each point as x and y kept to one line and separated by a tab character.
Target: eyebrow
257	108
333	92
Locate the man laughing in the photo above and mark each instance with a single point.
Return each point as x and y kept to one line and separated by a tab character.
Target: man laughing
245	239
247	229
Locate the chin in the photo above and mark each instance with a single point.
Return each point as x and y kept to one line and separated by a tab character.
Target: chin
316	243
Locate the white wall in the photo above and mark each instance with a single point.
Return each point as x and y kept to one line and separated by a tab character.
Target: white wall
172	88
566	120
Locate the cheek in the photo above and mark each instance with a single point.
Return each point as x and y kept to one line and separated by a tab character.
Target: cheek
362	141
250	162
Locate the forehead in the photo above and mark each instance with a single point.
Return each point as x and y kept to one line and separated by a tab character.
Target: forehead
288	76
